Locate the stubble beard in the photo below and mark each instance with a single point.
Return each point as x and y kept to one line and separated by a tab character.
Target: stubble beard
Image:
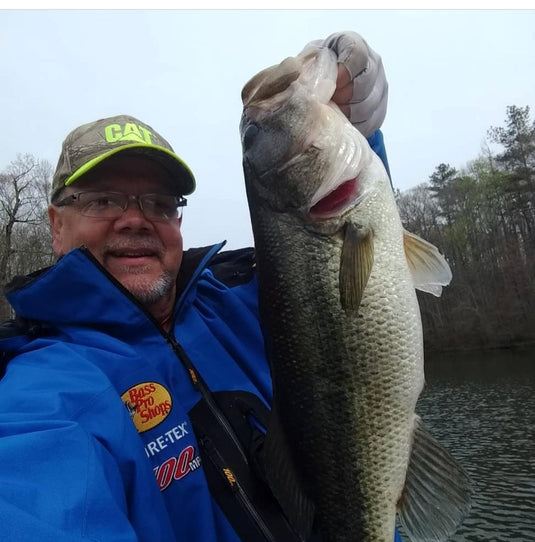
147	292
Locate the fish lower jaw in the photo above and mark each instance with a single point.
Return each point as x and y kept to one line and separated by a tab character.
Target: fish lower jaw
338	201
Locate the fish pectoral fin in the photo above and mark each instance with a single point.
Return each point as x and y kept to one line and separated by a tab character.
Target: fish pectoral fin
430	271
356	264
437	493
284	481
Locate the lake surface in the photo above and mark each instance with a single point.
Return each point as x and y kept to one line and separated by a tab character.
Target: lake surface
481	407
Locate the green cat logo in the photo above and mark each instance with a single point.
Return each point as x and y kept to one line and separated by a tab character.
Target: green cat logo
127	132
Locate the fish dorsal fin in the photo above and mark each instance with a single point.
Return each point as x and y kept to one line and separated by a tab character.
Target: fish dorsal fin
437	493
356	264
430	271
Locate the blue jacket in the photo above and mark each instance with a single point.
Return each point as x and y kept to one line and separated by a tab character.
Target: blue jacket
98	404
102	392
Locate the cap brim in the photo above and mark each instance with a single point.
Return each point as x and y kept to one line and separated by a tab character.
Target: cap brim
180	172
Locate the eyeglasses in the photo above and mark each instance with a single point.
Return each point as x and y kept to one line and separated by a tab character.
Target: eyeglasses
111	205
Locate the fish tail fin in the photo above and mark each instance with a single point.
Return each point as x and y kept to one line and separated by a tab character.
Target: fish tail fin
430	271
437	494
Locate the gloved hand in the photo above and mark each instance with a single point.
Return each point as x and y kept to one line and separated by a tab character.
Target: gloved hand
361	87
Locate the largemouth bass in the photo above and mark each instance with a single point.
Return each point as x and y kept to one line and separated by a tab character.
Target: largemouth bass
337	276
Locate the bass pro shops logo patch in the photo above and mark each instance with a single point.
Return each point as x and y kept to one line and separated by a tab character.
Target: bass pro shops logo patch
148	403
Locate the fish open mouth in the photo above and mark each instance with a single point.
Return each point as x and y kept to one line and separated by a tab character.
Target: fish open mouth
337	201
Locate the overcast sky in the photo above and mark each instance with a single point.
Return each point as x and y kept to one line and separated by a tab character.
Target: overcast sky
451	75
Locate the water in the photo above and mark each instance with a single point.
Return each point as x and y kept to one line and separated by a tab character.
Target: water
482	408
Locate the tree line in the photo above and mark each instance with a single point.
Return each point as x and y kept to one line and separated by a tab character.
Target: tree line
25	238
482	218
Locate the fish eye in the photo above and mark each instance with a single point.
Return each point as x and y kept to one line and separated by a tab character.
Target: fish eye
250	135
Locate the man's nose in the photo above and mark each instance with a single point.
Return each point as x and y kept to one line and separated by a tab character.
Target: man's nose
133	217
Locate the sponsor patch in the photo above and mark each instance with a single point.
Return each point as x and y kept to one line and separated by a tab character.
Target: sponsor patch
176	468
148	403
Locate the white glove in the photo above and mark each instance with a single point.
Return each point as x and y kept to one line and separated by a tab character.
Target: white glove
366	109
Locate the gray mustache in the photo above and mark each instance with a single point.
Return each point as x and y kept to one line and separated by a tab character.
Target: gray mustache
134	243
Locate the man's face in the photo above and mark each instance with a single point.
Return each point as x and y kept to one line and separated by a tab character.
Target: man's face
143	255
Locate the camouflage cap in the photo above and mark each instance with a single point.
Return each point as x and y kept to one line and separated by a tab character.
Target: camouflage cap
90	144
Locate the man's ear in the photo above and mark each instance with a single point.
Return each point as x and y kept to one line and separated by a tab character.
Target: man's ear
55	216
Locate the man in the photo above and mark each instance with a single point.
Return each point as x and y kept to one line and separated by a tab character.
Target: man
136	399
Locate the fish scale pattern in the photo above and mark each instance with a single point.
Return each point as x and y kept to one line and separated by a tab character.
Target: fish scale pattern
350	381
345	381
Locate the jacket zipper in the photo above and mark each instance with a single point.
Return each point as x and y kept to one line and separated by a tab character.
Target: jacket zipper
181	354
236	488
200	386
214	454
